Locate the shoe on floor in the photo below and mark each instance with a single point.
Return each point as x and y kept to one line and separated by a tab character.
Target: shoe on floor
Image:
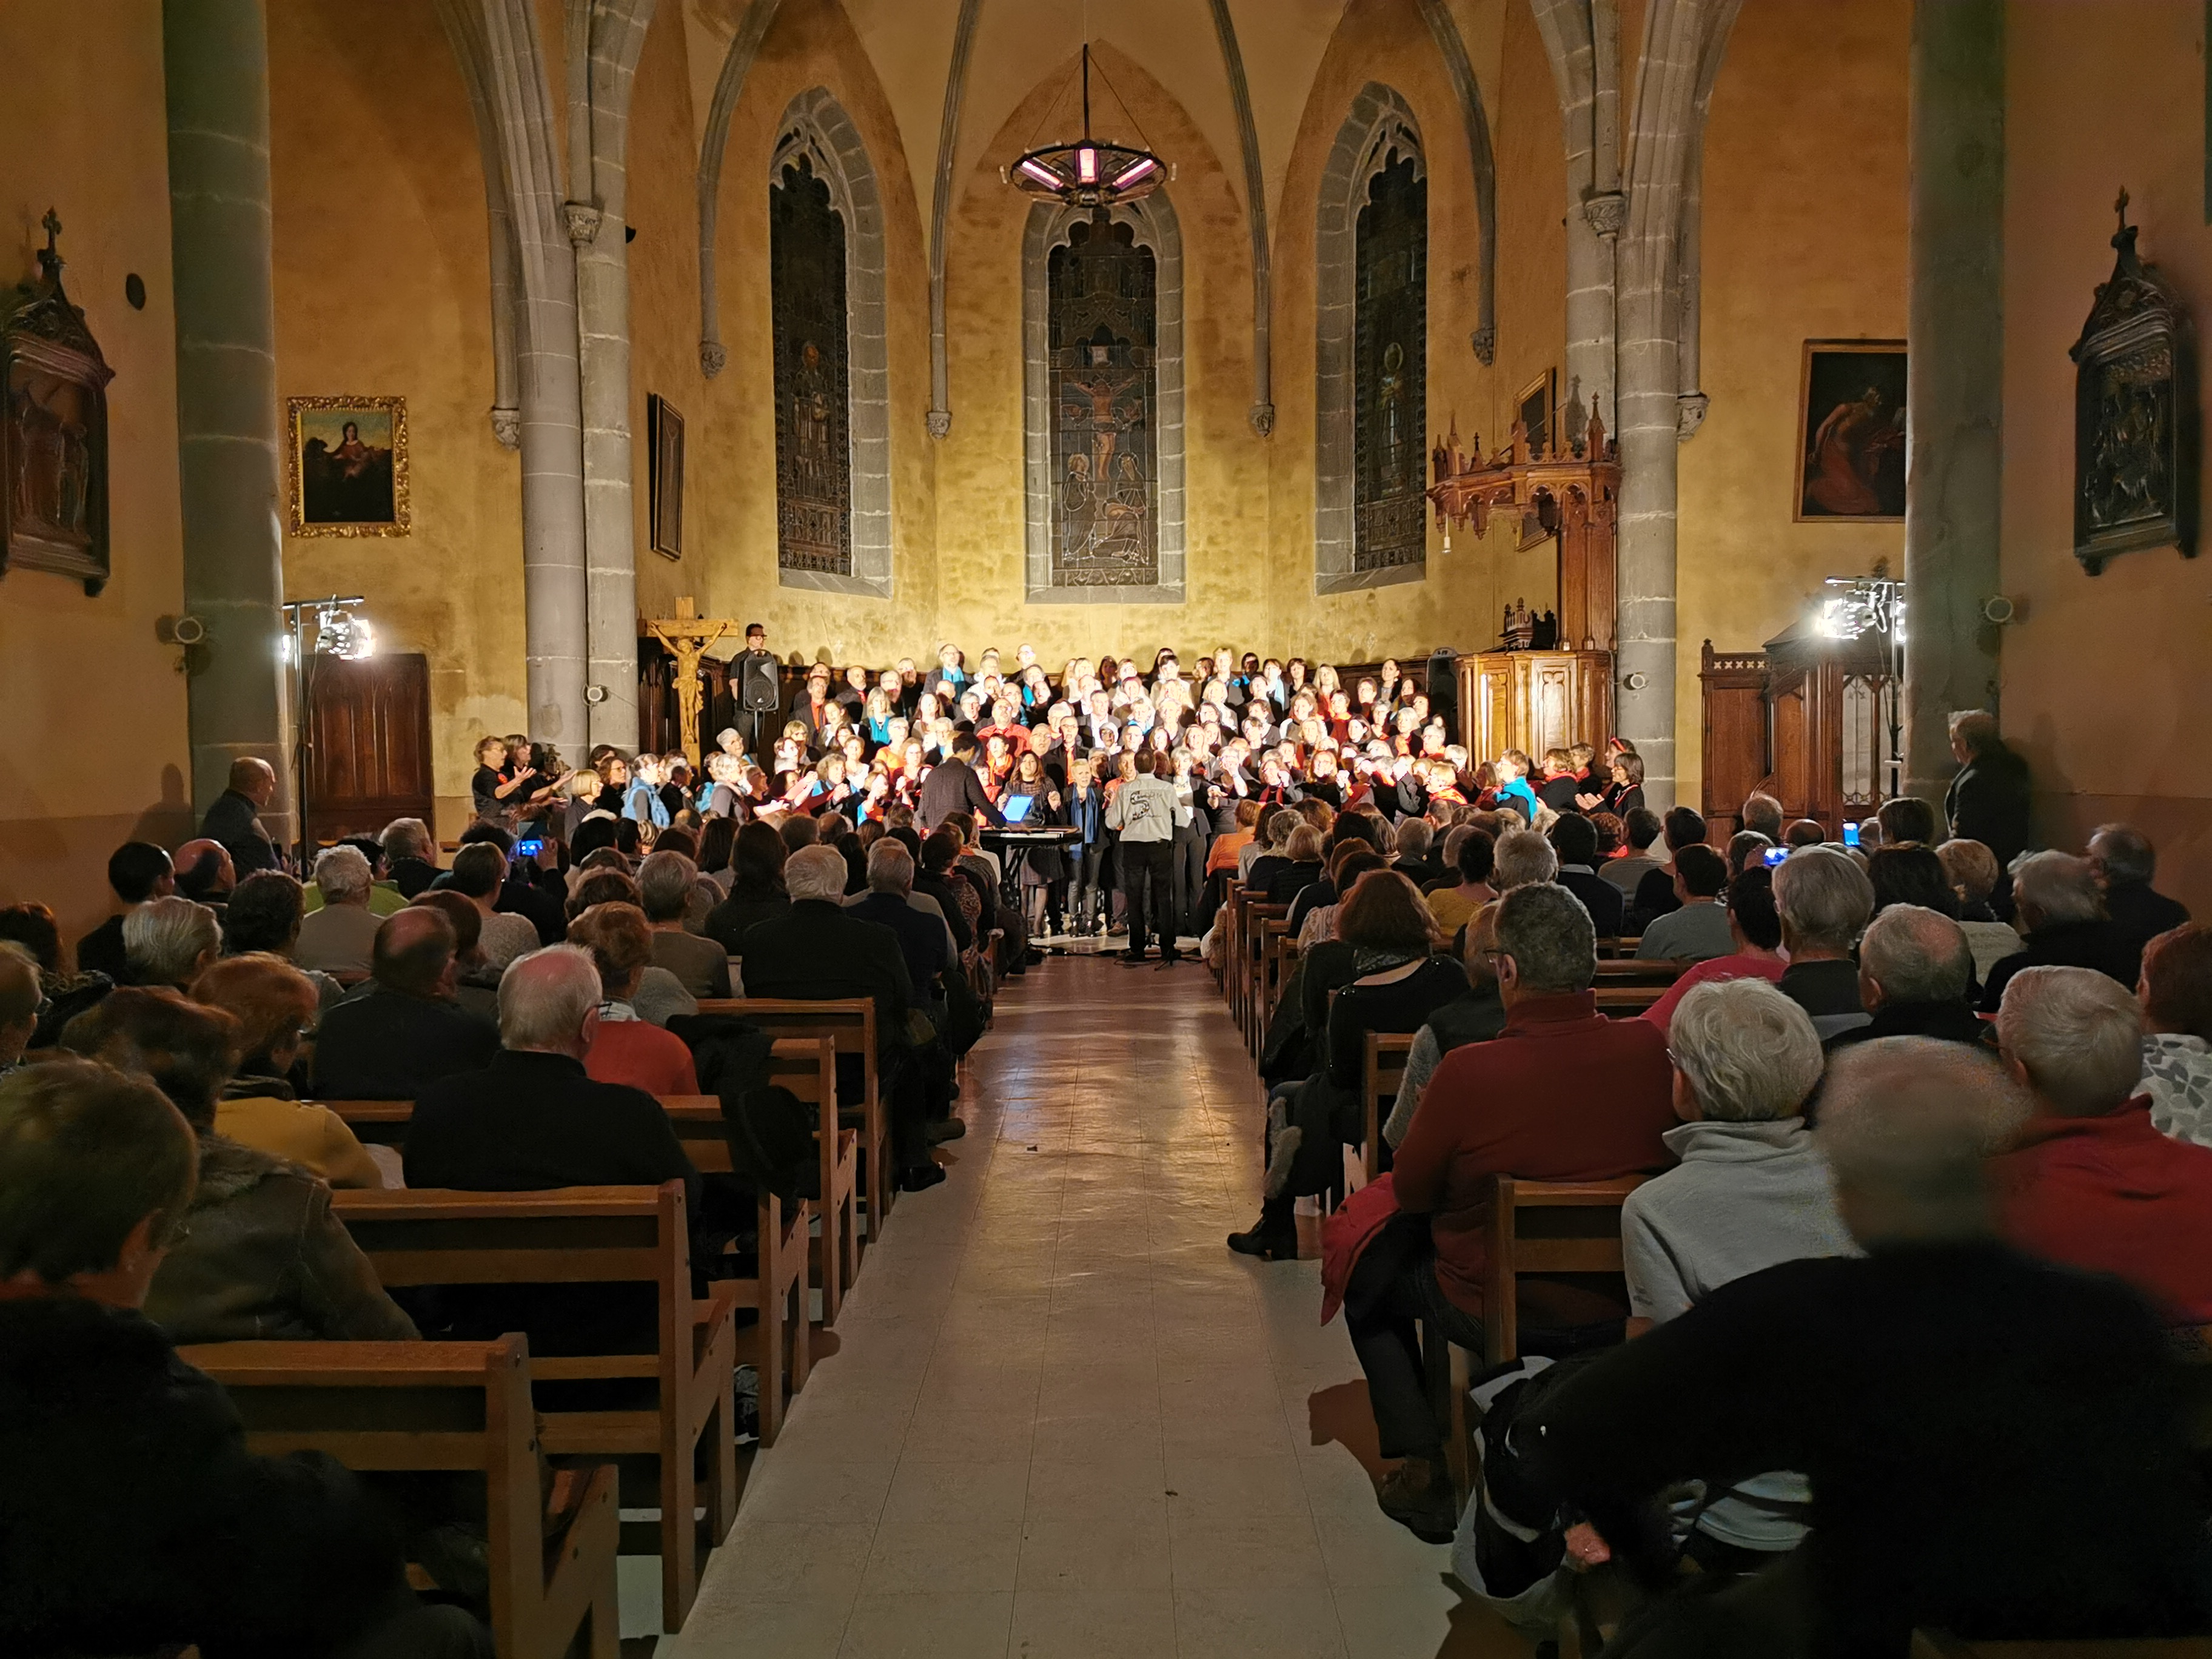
921	1178
1133	959
1418	1495
951	1128
1269	1243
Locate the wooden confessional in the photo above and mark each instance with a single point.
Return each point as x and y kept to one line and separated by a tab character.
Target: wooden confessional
1805	720
1522	698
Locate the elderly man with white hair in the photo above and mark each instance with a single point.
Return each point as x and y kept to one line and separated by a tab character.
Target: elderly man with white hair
534	1118
1523	858
337	939
2059	909
1824	899
167	941
1915	966
1992	1443
664	885
2091	1182
817	950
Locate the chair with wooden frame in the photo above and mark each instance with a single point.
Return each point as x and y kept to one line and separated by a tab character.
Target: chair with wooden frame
588	1235
449	1407
1381	1071
851	1025
1537	1228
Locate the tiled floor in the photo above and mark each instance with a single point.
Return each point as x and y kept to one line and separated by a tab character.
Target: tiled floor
1063	1419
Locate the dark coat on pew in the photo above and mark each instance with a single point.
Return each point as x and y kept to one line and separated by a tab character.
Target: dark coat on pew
382	1044
820	951
133	1519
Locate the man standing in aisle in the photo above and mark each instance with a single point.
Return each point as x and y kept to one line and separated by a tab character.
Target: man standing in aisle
1147	811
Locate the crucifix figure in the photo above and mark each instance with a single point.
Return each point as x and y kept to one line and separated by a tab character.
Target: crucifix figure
687	634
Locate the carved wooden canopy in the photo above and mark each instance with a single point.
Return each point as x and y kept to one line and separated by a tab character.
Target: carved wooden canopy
2135	415
1575	490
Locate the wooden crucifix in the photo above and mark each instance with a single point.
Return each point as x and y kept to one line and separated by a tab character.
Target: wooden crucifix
687	634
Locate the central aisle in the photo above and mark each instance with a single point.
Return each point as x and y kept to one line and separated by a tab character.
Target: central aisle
1063	1419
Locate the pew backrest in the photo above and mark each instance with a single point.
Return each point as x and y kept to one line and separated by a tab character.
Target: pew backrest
1545	1228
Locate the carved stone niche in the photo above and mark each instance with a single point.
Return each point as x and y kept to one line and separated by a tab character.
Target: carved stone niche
2134	415
53	431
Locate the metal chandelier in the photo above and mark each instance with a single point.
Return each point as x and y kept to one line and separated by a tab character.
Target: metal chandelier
1088	174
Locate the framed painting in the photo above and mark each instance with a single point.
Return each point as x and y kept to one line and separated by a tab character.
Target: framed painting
346	458
1850	432
663	435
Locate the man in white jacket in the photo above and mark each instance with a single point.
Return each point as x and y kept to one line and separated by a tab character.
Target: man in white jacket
1146	812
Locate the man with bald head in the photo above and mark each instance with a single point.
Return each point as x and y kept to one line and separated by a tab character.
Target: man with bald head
1990	1440
205	872
1916	967
235	820
404	1031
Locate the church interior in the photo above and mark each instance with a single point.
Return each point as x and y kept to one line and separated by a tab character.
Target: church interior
1498	455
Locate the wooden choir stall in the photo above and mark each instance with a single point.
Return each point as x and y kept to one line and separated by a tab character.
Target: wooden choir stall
1805	720
1540	692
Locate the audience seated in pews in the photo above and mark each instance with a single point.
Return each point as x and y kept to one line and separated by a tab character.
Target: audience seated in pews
479	875
1655	894
410	854
1824	900
2123	862
136	871
659	996
2090	1181
1698	928
1626	869
2060	913
756	890
1755	935
131	1503
818	951
403	1031
263	917
1991	1441
2176	991
1973	871
625	1049
30	928
1574	839
260	1256
275	1006
475	981
337	938
665	884
1561	1094
205	874
1524	859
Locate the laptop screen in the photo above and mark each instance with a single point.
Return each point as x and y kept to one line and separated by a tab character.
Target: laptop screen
1016	808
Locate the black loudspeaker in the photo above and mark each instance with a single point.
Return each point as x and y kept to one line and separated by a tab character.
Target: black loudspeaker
1444	688
760	682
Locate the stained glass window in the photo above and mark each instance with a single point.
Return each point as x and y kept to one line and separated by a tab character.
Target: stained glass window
813	457
1101	336
1390	370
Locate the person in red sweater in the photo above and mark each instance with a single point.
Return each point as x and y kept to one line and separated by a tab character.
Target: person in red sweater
1561	1094
625	1048
2089	1183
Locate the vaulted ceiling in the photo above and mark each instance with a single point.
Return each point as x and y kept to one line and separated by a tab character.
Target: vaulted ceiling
1018	45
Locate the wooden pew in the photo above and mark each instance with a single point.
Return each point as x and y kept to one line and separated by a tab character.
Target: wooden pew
1633	971
1278	955
851	1025
1381	1073
1231	920
1252	966
599	1235
1626	1001
406	1406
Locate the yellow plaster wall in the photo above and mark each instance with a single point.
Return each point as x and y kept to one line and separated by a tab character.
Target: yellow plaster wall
383	288
93	750
731	490
1804	238
2106	678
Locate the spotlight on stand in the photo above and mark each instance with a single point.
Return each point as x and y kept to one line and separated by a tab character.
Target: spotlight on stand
1855	607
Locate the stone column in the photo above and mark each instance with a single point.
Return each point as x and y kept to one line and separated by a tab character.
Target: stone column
1954	400
596	222
216	58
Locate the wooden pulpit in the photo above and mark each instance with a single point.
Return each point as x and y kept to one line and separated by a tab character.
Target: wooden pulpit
1532	701
1804	721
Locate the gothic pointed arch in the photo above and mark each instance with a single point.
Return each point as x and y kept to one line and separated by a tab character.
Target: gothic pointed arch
1370	363
826	267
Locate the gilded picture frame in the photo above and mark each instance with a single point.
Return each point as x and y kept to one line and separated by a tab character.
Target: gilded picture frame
664	425
1850	433
345	464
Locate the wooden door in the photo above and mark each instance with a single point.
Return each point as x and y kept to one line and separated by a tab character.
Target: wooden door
367	744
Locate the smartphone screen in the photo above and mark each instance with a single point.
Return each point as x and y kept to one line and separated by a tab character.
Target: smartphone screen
528	849
1774	855
1851	834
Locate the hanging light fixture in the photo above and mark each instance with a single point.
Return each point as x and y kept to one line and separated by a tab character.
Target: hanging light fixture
1088	172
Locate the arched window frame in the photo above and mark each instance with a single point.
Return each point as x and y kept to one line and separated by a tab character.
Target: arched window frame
1153	224
1380	121
815	125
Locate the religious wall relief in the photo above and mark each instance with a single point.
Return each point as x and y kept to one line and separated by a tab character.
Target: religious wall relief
813	456
53	431
1102	321
1390	370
